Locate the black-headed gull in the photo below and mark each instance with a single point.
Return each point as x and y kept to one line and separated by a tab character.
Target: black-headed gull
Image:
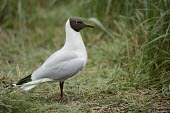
64	63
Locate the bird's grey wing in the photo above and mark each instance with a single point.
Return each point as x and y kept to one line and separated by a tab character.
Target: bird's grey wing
62	66
60	71
58	57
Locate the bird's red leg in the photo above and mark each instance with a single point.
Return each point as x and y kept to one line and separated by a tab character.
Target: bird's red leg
61	90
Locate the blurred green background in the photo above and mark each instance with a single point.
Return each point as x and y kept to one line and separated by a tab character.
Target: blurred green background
128	67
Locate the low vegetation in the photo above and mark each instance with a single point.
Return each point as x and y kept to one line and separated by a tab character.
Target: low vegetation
128	55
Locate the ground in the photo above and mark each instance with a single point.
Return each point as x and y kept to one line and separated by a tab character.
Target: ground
111	82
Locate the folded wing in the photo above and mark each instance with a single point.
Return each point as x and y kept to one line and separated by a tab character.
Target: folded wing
60	66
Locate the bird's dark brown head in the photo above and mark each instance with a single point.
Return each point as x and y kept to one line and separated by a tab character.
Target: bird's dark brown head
77	24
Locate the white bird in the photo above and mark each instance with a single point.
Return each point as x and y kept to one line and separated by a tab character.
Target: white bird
64	63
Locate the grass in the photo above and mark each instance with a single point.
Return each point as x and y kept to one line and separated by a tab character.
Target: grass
128	55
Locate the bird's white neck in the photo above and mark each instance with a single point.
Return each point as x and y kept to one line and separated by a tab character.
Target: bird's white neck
73	39
74	42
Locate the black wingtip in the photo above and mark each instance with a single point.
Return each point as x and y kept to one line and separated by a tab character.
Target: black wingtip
24	80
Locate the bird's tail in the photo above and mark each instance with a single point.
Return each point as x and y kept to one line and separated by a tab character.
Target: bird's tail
22	83
28	87
27	83
24	86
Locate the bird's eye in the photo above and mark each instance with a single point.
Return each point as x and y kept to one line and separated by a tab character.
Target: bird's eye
78	22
